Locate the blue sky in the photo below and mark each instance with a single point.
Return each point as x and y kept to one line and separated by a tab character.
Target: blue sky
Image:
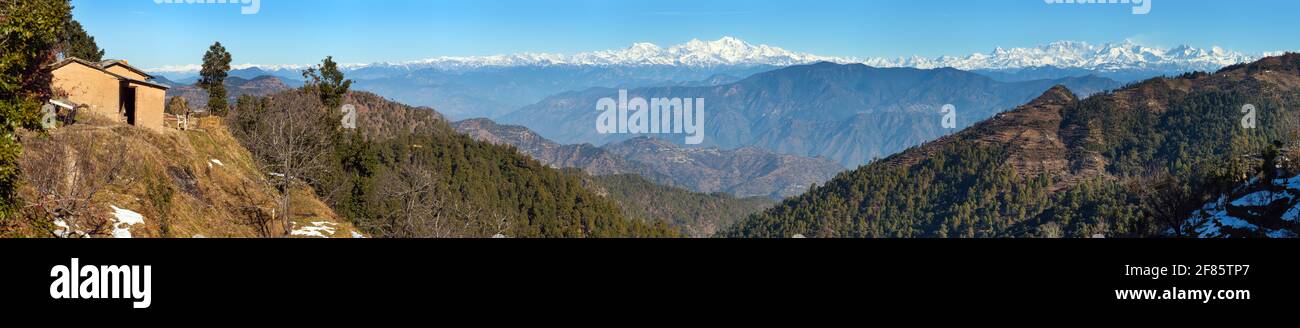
363	31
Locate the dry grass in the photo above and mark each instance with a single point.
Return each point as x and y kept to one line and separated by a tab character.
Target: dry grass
170	178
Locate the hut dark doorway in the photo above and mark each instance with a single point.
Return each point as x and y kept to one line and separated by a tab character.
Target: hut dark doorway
128	104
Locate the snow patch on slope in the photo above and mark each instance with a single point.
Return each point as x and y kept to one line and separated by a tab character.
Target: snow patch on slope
1261	198
125	219
320	229
1270	209
65	231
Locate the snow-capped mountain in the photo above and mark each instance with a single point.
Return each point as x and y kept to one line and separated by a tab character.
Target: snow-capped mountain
1082	55
727	51
722	52
491	86
730	51
193	69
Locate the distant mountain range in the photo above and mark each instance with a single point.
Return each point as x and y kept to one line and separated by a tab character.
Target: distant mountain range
293	78
730	51
491	93
236	86
1071	54
744	172
493	86
727	51
848	113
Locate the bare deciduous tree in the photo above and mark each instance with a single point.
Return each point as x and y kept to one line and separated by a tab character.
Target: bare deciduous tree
1166	200
1050	230
416	207
66	174
292	139
1289	133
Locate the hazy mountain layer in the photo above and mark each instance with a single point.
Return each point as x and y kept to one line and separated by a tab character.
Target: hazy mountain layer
742	172
847	113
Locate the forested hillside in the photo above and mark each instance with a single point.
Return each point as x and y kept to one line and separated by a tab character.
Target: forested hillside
404	172
1135	162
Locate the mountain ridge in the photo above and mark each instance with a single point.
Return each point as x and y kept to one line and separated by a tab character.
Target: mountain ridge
850	113
196	97
745	172
1134	162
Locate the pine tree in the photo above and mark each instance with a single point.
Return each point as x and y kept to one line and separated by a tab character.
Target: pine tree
328	81
77	43
216	66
